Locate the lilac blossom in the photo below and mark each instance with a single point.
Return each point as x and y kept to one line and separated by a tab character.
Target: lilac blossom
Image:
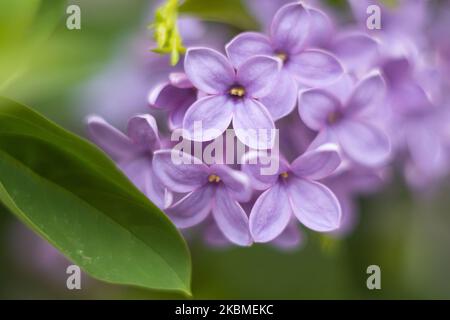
293	189
350	115
232	95
345	122
215	188
133	152
288	41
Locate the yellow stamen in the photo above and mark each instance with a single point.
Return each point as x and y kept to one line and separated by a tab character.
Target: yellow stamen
333	117
284	175
214	178
237	91
282	56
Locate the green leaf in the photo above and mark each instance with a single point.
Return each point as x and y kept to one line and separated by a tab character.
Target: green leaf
69	192
232	12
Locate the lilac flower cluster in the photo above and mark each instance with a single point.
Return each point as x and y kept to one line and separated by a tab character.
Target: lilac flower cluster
342	106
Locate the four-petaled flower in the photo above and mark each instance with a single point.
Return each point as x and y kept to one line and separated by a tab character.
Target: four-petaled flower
216	188
288	41
133	153
293	189
231	95
346	123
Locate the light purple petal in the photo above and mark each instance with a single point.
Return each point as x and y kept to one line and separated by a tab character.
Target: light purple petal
270	214
208	118
314	205
143	131
156	191
366	92
263	169
358	52
320	29
111	140
258	75
283	97
138	170
209	70
169	97
363	143
176	115
231	218
315	67
253	124
193	208
237	183
315	107
247	45
317	164
290	28
179	171
180	80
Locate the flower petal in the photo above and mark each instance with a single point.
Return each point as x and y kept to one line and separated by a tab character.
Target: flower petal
253	124
320	29
193	208
270	214
263	169
258	75
314	205
317	164
140	172
315	106
283	97
315	67
179	171
366	92
363	143
169	97
208	118
176	115
357	51
231	218
237	182
143	131
290	28
137	170
180	80
208	70
156	191
246	45
111	140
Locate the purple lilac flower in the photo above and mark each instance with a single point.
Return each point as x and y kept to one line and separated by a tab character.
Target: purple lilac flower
288	41
176	96
345	123
293	189
133	152
216	188
232	95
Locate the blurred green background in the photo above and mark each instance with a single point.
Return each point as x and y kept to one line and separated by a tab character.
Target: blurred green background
46	66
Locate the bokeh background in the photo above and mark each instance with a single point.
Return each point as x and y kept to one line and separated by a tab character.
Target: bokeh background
67	74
